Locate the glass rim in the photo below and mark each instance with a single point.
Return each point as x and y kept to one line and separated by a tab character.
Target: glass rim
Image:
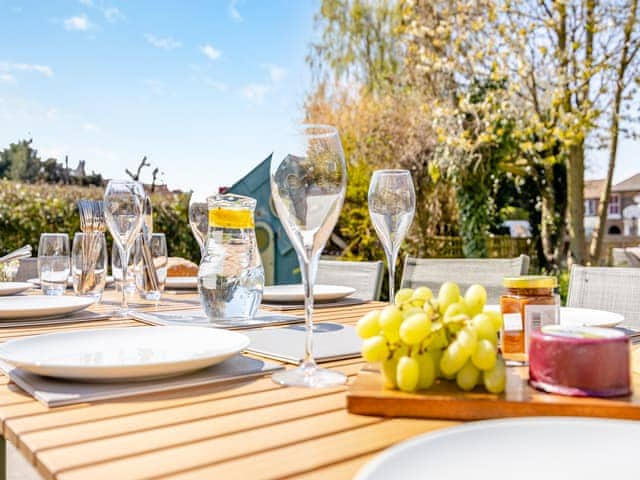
123	180
55	234
326	130
234	200
392	171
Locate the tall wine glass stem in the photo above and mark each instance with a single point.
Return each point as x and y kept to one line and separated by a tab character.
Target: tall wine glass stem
392	255
124	258
307	271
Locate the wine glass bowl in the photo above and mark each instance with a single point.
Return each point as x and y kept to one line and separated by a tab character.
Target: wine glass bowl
392	204
308	184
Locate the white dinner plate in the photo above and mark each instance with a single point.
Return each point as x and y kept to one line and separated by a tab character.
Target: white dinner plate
295	293
37	306
586	317
123	353
12	288
181	283
532	448
36	281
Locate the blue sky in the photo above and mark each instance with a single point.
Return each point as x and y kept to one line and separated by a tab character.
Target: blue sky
201	87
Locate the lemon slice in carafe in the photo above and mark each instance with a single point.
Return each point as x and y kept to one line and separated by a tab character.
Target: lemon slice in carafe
231	218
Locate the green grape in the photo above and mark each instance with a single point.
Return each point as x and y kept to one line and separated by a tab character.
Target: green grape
467	377
485	355
495	379
475	298
427	373
389	367
449	293
496	319
408	310
453	359
407	374
369	325
415	328
403	296
421	295
375	349
455	309
483	326
467	340
438	337
390	320
428	309
436	355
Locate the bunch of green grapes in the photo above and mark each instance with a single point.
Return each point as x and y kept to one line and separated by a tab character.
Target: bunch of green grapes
421	338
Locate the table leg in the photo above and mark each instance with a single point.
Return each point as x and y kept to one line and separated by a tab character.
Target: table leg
3	458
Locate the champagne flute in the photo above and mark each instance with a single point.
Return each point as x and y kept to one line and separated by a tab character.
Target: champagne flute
123	213
308	184
199	216
392	204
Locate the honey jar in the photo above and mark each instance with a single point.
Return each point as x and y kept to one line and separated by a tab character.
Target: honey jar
529	303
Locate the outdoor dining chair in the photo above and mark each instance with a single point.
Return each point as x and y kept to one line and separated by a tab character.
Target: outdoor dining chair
489	272
365	277
615	289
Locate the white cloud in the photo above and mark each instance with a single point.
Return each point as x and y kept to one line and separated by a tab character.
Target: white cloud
255	92
7	78
210	52
219	86
51	114
166	43
87	3
90	127
233	11
113	14
276	73
78	23
26	67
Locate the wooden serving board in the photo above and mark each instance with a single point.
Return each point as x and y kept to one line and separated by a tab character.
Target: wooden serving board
445	401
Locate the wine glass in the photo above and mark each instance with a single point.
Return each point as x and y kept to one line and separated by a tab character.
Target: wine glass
199	216
308	184
123	213
392	203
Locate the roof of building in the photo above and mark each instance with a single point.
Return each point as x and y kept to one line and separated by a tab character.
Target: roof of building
592	188
631	184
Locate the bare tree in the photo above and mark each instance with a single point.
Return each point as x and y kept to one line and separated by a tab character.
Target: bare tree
136	177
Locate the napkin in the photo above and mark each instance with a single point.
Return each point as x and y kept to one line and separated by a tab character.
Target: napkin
331	341
199	319
348	301
54	392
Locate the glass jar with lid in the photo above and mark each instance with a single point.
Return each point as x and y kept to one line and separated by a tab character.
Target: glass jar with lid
529	303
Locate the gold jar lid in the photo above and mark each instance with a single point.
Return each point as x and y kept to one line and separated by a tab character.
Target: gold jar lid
530	281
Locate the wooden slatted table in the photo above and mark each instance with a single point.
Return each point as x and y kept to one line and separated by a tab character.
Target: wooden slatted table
254	429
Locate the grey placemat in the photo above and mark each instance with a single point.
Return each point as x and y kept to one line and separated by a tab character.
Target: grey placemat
199	319
343	302
331	341
83	316
57	392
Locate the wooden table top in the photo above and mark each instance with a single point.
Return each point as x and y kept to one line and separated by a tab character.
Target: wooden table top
253	429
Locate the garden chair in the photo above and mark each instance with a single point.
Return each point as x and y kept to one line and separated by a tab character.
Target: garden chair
615	289
28	269
365	277
489	272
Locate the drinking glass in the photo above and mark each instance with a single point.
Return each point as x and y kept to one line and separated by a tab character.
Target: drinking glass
53	263
116	270
160	258
308	182
392	203
89	264
199	216
123	208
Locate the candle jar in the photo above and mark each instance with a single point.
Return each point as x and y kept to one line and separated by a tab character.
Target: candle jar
529	303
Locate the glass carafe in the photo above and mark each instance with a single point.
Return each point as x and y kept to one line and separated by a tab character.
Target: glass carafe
231	276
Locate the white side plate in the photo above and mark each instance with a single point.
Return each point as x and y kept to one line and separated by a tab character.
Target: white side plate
181	283
586	317
295	293
123	353
527	449
36	306
36	281
12	288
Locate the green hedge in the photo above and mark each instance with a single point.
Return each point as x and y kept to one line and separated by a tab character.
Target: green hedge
28	210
